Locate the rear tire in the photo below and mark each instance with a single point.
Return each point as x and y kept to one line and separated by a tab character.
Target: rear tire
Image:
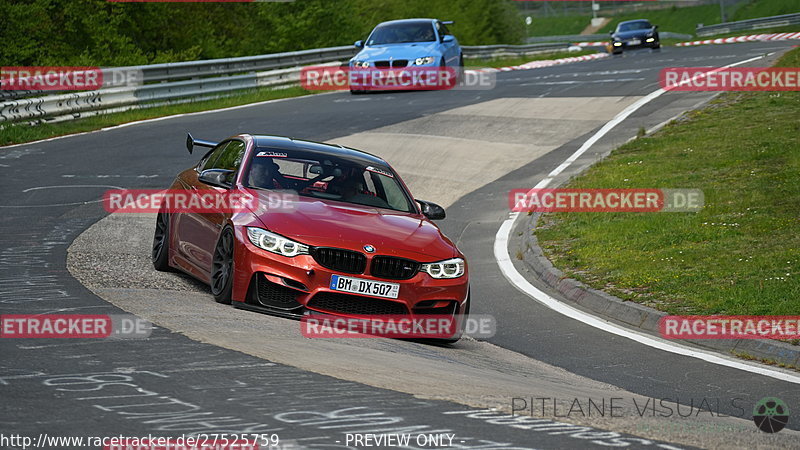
222	268
160	251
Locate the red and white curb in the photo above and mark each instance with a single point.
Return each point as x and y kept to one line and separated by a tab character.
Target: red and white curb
748	38
591	44
543	63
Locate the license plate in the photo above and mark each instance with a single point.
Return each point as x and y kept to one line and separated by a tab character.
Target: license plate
365	287
635	42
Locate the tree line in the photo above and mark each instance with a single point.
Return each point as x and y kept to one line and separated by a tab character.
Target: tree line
102	33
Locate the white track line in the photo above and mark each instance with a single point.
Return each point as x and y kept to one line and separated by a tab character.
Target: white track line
514	277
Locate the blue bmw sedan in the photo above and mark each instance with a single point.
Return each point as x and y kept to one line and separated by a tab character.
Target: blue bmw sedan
413	43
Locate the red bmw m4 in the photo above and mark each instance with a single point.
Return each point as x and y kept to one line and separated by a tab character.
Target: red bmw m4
331	230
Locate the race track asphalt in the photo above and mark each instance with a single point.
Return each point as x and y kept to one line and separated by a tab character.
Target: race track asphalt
92	387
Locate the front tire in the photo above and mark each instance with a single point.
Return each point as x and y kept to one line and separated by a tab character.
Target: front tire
160	251
461	68
460	334
222	268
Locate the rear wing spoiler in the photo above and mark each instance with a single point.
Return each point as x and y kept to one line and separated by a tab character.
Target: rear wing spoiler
448	22
191	142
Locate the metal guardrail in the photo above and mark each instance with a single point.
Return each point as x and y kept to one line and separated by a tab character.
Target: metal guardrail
185	80
568	38
225	66
490	51
751	24
598	37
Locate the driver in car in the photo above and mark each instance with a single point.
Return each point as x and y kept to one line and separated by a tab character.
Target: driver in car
352	190
264	174
424	34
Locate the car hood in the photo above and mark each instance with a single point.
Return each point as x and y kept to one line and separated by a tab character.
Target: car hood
398	51
335	224
633	34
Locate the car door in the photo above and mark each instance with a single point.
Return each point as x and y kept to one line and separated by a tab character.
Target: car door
198	230
450	50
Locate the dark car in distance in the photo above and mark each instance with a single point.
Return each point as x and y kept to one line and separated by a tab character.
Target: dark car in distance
634	34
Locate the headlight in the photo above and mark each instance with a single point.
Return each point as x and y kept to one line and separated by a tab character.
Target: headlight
275	243
452	268
424	60
361	64
650	39
617	44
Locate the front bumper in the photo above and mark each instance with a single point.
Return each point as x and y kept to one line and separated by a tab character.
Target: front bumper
630	45
299	284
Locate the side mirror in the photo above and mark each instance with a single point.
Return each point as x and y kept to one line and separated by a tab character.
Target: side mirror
448	38
359	44
655	27
610	33
431	210
216	177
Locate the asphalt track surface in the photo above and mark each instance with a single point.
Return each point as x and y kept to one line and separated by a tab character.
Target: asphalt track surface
90	387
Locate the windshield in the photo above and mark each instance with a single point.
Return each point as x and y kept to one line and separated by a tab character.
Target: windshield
328	177
633	26
402	32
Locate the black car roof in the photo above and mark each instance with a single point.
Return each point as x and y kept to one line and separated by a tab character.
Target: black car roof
317	148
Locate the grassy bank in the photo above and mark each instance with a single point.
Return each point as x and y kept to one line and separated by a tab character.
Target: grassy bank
674	19
740	254
558	25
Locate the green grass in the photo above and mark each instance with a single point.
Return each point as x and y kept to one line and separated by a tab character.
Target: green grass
684	20
25	133
675	20
560	25
766	8
740	254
